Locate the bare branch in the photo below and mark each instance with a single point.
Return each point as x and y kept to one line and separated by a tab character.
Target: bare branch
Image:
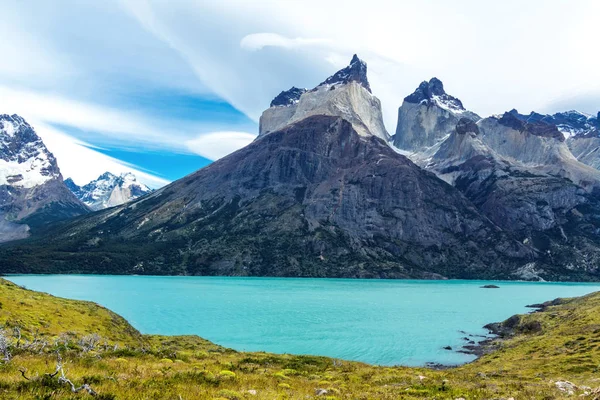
17	334
89	342
23	371
4	347
74	389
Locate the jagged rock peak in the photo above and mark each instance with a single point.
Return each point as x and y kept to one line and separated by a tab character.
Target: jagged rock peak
533	126
345	94
288	97
433	92
356	71
466	125
570	123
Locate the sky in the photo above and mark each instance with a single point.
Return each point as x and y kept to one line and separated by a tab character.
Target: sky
163	88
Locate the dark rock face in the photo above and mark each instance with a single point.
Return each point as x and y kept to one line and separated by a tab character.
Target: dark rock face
573	122
537	128
466	125
73	187
314	199
356	71
288	97
427	90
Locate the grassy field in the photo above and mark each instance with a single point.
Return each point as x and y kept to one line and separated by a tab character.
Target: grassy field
94	350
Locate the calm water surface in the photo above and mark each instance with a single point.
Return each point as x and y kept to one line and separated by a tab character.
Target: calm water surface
376	321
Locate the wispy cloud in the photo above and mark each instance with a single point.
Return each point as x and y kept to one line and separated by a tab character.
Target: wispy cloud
258	41
77	160
109	125
216	145
110	122
466	44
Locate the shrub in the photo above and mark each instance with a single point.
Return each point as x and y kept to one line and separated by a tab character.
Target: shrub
226	374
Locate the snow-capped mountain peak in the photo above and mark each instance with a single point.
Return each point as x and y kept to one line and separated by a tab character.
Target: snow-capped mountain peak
433	93
24	159
32	191
109	190
356	71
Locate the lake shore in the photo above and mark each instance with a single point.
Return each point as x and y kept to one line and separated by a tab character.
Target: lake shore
378	322
124	364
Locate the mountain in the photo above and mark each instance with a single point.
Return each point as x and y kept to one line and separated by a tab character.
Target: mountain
538	146
109	190
584	138
32	191
427	116
522	200
570	123
519	173
345	94
582	132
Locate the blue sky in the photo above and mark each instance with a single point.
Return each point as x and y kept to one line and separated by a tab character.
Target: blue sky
164	88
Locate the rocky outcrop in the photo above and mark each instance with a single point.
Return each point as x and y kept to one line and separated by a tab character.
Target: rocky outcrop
582	132
586	149
109	190
355	72
569	123
537	146
32	191
519	173
345	94
427	116
288	97
516	198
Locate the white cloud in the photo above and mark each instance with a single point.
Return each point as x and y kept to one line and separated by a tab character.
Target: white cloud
494	56
81	163
216	145
258	41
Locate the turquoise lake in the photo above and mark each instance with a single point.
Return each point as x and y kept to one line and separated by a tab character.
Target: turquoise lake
385	322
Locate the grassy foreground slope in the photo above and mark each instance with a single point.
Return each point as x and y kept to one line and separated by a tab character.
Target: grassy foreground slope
94	346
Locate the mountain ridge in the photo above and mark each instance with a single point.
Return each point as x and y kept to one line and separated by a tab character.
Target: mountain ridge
108	190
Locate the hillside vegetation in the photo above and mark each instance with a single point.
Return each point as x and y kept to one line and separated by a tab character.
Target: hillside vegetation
53	348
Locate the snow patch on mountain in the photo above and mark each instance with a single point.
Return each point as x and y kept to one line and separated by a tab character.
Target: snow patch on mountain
24	159
109	190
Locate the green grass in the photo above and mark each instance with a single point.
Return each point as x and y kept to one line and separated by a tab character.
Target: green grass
127	365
